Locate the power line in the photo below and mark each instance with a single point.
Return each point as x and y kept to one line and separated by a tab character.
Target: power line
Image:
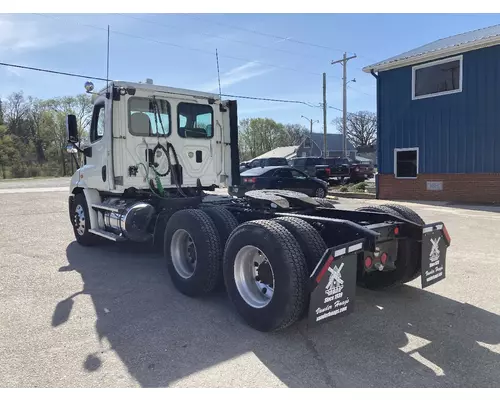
187	48
105	79
53	72
256	32
222	37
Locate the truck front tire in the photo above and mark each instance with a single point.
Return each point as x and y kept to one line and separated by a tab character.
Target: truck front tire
192	252
80	221
266	275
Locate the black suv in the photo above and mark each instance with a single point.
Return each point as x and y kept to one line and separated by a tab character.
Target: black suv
312	166
264	162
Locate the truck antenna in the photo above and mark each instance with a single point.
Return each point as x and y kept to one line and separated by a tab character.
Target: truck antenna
107	64
218	73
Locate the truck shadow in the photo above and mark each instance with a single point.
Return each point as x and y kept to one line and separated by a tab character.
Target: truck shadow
406	337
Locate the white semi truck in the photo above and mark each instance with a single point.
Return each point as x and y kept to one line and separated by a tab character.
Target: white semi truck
154	154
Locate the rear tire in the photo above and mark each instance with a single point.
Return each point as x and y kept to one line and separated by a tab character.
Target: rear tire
192	252
80	221
406	268
311	243
267	248
226	223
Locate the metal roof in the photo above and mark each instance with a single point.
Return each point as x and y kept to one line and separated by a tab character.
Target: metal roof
286	152
451	45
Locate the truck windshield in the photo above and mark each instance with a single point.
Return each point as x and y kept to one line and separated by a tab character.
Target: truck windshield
142	120
195	120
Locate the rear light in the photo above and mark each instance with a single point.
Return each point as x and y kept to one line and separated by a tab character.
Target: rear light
327	170
249	180
446	234
396	230
383	258
368	262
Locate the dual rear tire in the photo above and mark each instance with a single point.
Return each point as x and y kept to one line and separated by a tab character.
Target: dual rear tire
264	264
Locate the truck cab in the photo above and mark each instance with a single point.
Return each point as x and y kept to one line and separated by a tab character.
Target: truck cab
140	132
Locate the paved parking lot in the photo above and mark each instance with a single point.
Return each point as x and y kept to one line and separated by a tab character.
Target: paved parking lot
109	316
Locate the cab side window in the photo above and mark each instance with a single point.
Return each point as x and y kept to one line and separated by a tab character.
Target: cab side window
97	125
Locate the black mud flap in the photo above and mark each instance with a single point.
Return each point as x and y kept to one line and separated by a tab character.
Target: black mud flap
333	283
435	242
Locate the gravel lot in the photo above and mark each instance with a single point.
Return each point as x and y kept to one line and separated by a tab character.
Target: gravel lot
109	316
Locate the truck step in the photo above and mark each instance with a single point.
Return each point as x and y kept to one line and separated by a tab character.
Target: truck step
108	235
107	207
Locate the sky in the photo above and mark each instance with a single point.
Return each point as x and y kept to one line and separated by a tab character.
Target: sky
281	56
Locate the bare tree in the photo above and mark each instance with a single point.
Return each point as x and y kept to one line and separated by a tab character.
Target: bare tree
361	128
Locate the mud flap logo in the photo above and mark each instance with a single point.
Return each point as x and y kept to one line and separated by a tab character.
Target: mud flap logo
335	283
434	256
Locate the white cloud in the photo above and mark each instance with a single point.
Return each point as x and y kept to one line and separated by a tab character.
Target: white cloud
19	34
244	72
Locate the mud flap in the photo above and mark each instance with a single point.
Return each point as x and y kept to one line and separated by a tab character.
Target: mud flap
333	283
435	242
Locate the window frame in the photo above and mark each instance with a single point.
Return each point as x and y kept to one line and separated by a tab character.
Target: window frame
169	109
179	120
94	125
401	149
459	58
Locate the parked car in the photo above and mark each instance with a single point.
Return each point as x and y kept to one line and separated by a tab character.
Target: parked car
343	168
263	162
312	166
279	177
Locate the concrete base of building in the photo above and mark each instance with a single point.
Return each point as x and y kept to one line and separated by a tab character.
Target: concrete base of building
465	188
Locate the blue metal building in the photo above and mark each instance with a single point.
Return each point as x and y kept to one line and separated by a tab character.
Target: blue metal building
438	110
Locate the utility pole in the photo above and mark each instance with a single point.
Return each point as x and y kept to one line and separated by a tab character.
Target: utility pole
343	61
325	150
311	132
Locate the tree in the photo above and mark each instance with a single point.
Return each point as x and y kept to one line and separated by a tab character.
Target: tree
296	134
361	128
260	135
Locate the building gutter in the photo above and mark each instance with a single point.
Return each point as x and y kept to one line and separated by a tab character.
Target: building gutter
433	55
379	130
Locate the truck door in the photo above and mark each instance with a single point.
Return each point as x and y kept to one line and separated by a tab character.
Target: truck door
95	173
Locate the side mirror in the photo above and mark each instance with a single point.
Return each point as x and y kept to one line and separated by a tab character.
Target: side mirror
71	128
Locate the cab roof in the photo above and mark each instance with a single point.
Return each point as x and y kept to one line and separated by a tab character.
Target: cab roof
160	88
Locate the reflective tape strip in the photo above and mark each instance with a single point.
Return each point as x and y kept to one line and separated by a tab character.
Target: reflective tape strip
440	226
340	252
428	229
355	247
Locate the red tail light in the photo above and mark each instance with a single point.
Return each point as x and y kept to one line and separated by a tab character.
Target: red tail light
327	170
249	180
383	258
396	230
368	262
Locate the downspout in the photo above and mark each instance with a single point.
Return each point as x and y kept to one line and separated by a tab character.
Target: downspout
378	134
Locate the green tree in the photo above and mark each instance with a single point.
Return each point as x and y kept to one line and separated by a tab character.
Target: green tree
260	135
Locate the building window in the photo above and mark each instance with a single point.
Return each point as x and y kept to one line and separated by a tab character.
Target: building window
406	163
307	143
437	78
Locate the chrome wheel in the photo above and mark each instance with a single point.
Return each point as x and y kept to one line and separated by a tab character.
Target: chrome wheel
320	192
254	276
183	253
79	220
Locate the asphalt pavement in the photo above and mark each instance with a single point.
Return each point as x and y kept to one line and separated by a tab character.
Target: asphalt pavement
110	317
